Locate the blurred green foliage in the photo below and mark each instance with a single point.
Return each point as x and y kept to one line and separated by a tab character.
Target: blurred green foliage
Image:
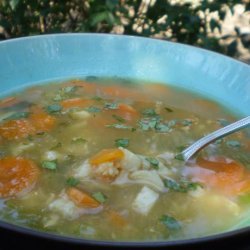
184	21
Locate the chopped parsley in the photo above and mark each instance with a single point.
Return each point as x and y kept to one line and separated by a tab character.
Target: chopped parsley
119	126
93	109
149	112
170	222
162	127
52	165
99	196
97	98
72	181
18	115
111	105
123	142
233	144
223	122
54	108
179	157
154	163
182	186
118	118
168	109
186	122
69	89
148	123
64	93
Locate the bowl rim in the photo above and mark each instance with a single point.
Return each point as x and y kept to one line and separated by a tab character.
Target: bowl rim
81	241
88	34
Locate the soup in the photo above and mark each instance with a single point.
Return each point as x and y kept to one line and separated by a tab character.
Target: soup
100	159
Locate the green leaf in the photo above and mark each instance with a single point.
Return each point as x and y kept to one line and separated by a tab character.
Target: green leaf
170	222
99	196
153	162
54	108
118	118
72	181
52	165
161	127
233	144
119	126
97	98
58	145
149	112
98	18
69	89
182	186
18	115
148	123
123	142
93	109
168	109
179	157
109	105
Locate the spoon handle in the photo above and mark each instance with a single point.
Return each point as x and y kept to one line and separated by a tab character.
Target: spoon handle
204	141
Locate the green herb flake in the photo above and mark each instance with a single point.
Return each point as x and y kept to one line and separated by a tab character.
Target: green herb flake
99	196
54	108
110	105
72	181
149	112
123	142
18	115
118	126
223	122
69	89
168	109
170	222
118	118
162	128
97	98
182	186
179	157
233	144
52	165
78	140
148	123
186	123
93	109
153	162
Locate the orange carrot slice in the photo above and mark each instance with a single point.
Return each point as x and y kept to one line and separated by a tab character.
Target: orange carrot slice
8	102
81	198
76	103
38	121
107	155
226	177
16	175
16	129
42	122
116	218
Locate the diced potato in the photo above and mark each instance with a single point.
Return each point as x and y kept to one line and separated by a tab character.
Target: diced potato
83	171
149	178
50	155
145	200
65	207
131	161
80	114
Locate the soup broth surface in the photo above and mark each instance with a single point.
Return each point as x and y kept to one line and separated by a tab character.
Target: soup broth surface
100	159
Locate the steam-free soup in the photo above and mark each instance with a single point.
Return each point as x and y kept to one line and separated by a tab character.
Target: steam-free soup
99	159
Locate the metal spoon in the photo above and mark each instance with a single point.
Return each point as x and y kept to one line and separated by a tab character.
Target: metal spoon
204	141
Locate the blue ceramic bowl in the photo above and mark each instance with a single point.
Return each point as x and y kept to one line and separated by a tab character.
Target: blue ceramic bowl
40	59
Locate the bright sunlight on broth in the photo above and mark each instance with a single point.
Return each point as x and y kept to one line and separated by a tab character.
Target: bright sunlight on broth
98	159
